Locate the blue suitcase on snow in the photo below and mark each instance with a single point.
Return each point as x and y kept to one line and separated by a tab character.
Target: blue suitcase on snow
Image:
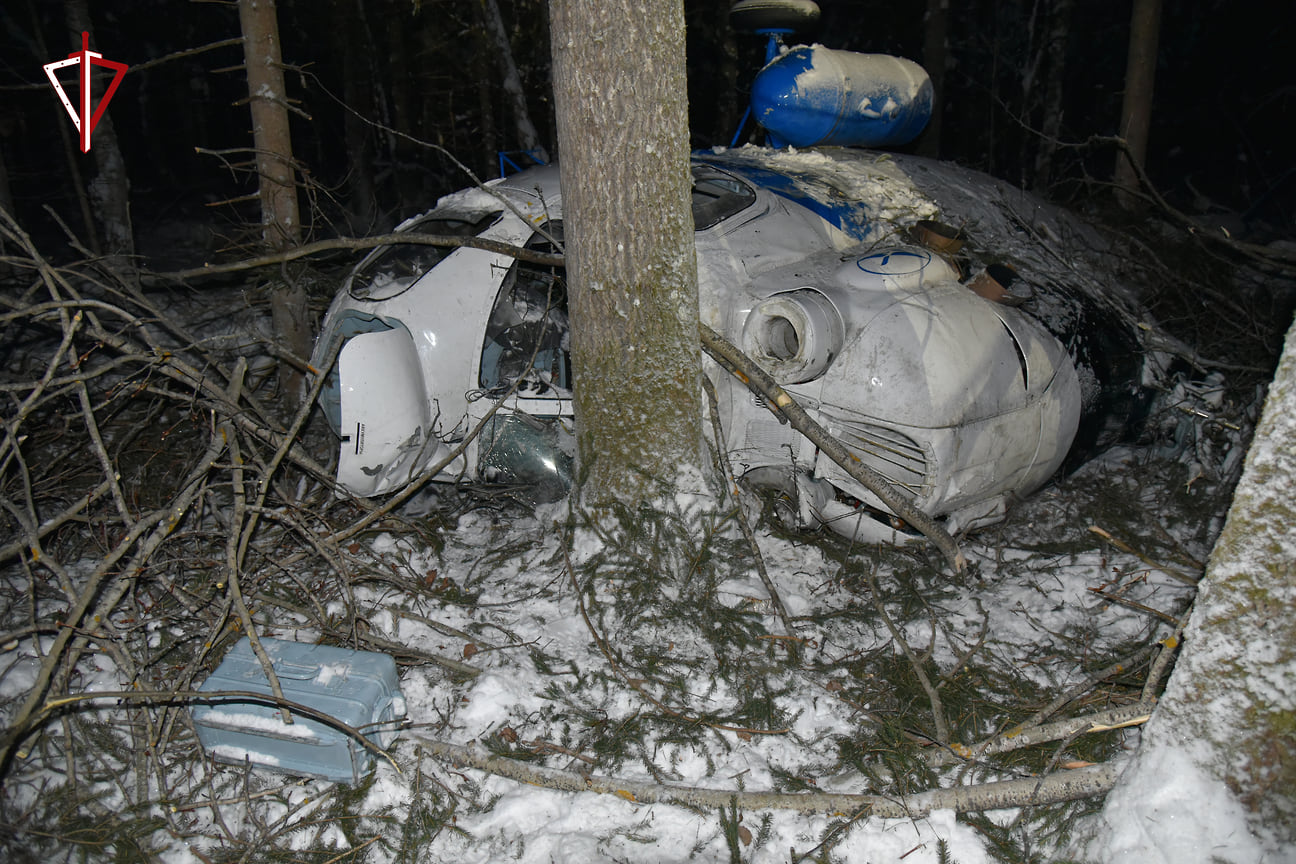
358	688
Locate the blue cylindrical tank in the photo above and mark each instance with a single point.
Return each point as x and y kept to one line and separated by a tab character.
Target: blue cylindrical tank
816	95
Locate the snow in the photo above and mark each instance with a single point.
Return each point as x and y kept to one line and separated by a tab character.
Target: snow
532	824
328	671
1034	606
260	723
1171	810
237	754
1175	802
890	192
1031	604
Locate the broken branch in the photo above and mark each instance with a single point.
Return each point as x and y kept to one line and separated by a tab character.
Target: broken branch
1047	789
359	243
758	380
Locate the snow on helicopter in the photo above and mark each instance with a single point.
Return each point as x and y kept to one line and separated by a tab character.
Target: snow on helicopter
958	336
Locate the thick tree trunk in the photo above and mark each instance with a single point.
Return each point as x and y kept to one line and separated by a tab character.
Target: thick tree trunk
1136	109
1222	743
280	221
6	196
7	205
621	100
358	84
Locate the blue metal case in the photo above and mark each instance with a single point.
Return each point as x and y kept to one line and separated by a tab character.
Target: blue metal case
358	688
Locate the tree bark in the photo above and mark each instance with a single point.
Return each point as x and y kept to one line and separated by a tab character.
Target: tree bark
1022	792
1223	739
359	81
621	99
277	181
1136	108
6	196
7	205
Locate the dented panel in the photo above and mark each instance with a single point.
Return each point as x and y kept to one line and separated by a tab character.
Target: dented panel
806	260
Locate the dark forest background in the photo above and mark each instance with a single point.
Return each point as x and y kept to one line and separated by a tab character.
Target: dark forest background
371	79
162	482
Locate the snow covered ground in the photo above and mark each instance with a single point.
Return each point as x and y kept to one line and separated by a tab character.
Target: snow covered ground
581	658
1033	617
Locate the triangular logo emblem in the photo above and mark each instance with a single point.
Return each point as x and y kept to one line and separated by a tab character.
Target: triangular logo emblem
82	116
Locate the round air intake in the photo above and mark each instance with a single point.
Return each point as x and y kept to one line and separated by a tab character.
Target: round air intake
794	336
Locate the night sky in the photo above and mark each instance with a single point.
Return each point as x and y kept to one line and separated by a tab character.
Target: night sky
1226	85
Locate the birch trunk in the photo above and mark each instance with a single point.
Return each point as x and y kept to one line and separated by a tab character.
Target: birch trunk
527	137
110	190
935	57
1222	743
1059	31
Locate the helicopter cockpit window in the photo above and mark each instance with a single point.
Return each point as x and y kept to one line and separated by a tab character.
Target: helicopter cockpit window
393	270
717	196
527	338
527	344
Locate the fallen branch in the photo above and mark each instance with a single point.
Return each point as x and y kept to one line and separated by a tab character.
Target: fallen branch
937	709
1103	721
201	697
1262	255
722	454
636	684
1048	789
1186	578
1118	668
784	406
358	243
1161	665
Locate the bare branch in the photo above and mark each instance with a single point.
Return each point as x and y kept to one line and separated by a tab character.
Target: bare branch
358	243
1047	789
786	408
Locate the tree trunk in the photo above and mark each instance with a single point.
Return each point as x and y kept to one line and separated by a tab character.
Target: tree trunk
7	205
1059	31
110	190
1222	742
280	221
488	161
527	138
358	84
934	60
1136	109
621	100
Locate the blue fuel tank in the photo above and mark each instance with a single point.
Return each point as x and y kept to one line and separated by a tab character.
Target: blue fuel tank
813	95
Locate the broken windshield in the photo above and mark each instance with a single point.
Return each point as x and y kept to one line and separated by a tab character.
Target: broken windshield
394	269
717	196
527	334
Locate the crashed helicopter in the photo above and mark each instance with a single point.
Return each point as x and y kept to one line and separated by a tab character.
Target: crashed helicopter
959	337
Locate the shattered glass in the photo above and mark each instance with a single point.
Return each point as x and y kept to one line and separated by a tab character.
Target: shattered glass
395	268
533	453
528	336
